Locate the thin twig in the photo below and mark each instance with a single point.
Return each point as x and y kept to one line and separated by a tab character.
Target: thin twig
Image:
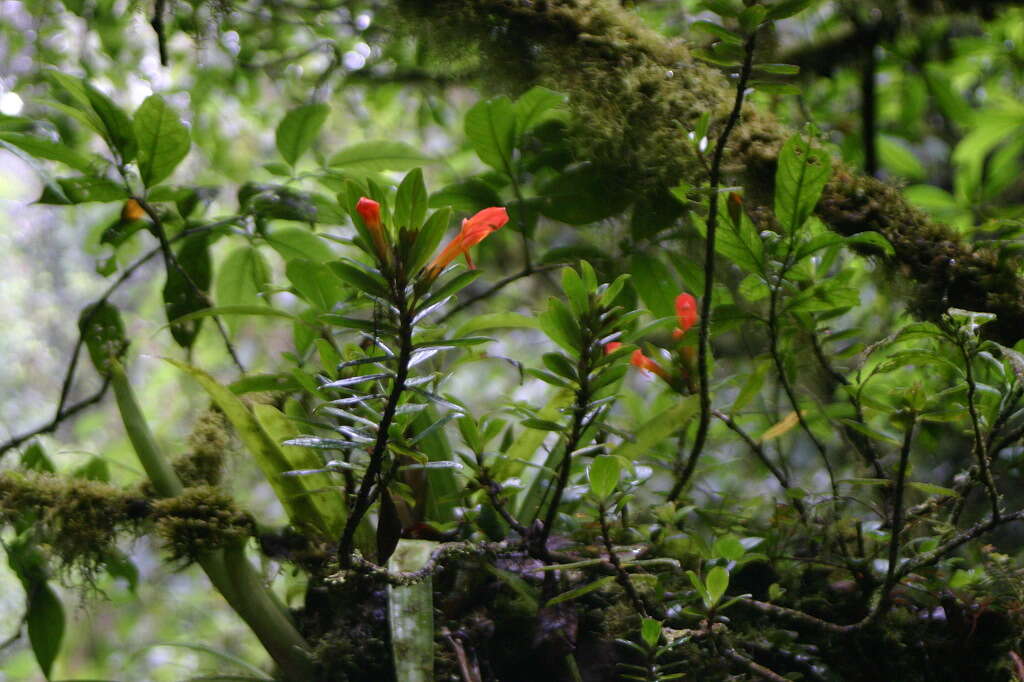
613	558
171	261
495	288
703	349
373	470
980	451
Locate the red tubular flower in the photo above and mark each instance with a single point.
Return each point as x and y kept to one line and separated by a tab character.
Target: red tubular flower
611	347
474	230
638	359
370	211
686	314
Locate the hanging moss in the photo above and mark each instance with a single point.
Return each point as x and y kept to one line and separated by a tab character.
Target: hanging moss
79	519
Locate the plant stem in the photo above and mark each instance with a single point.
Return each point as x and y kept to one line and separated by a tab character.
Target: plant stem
704	339
369	487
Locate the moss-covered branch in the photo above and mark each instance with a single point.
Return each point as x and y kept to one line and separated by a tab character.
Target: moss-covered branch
634	96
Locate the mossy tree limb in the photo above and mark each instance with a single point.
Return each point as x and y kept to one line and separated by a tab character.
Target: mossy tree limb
635	94
228	569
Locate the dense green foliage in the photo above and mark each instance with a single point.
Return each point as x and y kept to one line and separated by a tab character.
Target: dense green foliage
730	386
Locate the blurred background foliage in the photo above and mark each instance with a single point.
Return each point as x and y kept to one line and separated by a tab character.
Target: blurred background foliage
949	124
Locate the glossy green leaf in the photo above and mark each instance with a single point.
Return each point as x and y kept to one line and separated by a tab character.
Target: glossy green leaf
604	476
411	201
45	621
298	129
717	582
490	129
298	242
800	178
654	431
241	278
186	286
378	156
163	140
82	190
317	283
42	148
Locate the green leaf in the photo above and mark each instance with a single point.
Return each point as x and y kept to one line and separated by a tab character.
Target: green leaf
45	620
491	129
729	548
298	129
292	491
604	476
162	138
581	195
535	106
580	591
650	632
429	236
411	614
897	158
469	195
560	326
875	239
35	459
117	127
359	279
298	242
411	201
317	283
717	583
42	148
786	8
376	156
241	278
573	287
496	321
185	288
717	31
655	283
103	335
321	488
778	69
529	441
800	178
82	190
931	489
654	431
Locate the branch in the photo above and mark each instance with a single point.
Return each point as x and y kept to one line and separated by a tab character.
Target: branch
495	288
704	339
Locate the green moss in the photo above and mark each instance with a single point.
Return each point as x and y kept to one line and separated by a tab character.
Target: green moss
201	519
634	95
948	271
208	444
79	519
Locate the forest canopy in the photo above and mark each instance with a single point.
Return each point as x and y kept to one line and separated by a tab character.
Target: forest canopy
480	340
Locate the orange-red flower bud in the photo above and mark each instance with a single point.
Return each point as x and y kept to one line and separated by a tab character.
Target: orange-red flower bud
638	359
474	230
686	314
611	347
370	212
